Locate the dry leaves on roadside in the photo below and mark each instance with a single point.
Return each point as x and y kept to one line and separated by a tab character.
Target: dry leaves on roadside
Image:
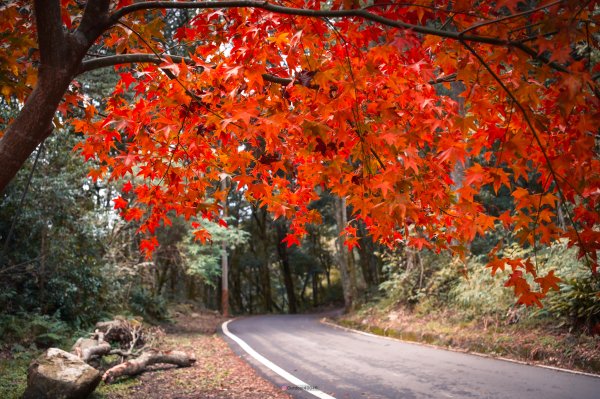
218	374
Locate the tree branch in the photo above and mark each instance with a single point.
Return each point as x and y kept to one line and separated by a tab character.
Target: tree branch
529	123
302	12
359	13
119	59
95	19
139	365
511	16
112	60
50	33
519	44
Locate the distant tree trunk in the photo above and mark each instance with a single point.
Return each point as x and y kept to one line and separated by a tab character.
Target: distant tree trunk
249	295
261	217
224	263
42	274
191	288
174	279
328	277
236	287
315	288
285	266
207	296
265	283
368	261
346	269
224	281
161	278
304	285
216	295
559	213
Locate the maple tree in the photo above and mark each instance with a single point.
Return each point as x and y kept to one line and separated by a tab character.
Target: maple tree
291	98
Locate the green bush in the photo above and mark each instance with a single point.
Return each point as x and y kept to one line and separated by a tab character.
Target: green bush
577	303
403	278
435	282
423	278
479	294
150	307
27	329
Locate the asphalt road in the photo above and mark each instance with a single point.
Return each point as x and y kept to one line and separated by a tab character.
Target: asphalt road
345	364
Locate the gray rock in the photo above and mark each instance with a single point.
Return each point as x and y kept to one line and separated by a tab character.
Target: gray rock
60	375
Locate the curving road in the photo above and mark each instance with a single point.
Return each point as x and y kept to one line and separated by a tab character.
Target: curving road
344	364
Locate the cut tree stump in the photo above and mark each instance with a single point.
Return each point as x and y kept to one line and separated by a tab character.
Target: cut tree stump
120	330
140	364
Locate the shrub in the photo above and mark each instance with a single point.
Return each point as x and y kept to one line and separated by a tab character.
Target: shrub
577	303
150	307
27	328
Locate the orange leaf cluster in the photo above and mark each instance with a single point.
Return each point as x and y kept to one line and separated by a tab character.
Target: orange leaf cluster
409	126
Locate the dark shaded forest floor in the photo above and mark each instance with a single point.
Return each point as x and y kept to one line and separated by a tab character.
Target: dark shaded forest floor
532	343
218	373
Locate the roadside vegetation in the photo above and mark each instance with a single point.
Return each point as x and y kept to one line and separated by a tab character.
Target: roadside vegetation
448	302
218	373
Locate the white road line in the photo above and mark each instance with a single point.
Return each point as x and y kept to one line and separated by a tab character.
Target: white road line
275	368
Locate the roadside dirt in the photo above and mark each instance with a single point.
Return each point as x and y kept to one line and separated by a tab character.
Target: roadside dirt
535	344
218	373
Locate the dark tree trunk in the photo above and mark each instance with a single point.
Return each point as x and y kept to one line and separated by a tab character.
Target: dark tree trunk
265	283
218	294
60	58
315	288
174	277
191	288
33	124
261	218
161	278
236	287
304	285
285	266
343	255
368	261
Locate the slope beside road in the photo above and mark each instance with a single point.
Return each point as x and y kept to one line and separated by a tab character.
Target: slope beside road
336	363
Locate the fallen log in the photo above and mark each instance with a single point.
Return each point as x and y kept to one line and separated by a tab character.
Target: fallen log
74	375
140	364
88	348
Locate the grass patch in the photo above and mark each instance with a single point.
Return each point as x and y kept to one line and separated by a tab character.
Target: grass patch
122	388
13	372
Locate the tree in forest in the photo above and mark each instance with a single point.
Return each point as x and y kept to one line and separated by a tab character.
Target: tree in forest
52	240
290	98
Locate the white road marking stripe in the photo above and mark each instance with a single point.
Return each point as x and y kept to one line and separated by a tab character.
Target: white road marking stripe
275	368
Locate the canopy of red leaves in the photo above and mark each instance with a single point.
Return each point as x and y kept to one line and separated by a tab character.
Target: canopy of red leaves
407	124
